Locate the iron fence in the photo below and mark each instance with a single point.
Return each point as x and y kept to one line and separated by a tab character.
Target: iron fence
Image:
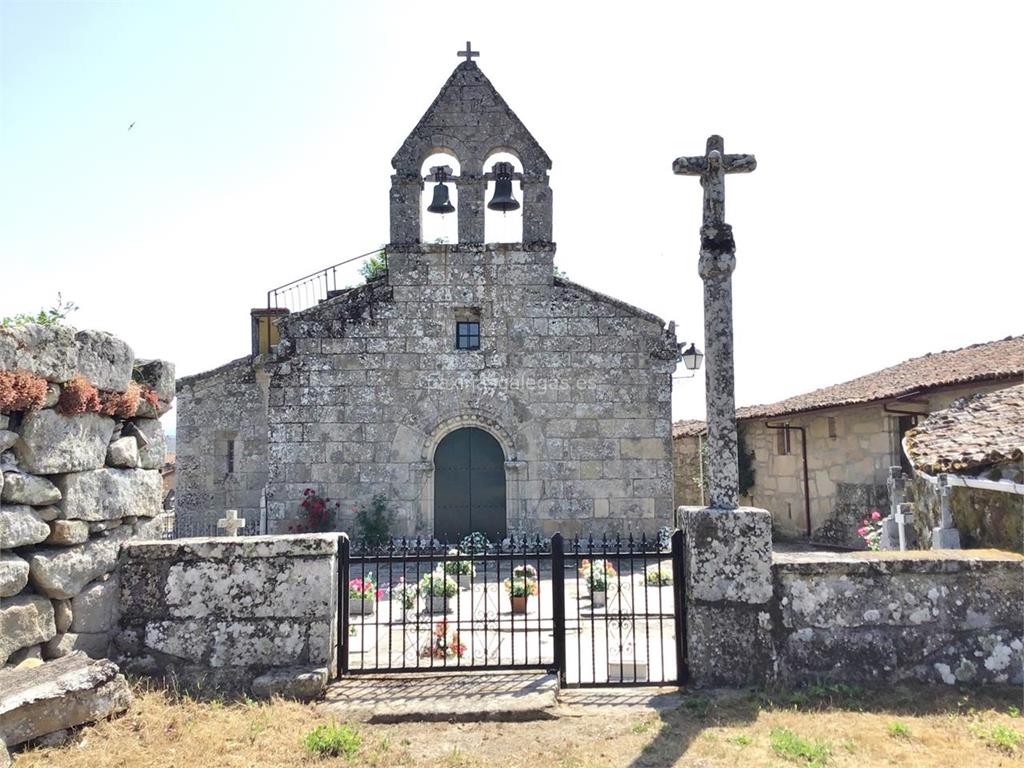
604	612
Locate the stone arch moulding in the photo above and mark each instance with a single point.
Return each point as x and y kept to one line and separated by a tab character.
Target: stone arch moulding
425	467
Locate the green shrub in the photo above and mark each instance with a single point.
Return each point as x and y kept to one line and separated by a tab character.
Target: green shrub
55	315
436	584
374	267
373	522
332	741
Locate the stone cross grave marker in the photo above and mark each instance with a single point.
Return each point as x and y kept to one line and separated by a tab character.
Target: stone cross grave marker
231	522
469	53
716	265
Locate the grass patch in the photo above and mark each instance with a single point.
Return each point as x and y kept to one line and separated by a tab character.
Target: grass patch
697	705
1000	737
643	727
741	740
789	745
332	741
898	730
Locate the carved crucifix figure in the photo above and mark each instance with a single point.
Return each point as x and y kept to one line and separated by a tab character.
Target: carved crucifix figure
717	262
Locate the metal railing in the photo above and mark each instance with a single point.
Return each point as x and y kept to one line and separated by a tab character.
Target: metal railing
311	289
597	613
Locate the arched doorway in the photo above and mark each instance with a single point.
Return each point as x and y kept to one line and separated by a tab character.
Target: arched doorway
469	486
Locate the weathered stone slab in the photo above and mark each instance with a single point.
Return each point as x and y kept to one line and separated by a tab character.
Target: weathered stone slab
24	620
240	643
97	607
158	375
105	360
729	554
109	494
20	525
66	533
298	683
63	573
7	439
60	694
153	454
45	350
13	574
20	488
124	453
53	444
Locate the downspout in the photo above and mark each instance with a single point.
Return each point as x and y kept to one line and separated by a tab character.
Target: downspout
807	482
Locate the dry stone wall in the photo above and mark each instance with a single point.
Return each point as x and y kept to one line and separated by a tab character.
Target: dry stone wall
73	487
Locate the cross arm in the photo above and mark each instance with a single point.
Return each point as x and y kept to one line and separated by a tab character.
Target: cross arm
697	166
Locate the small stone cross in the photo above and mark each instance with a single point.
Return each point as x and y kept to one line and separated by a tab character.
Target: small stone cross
469	53
231	522
712	168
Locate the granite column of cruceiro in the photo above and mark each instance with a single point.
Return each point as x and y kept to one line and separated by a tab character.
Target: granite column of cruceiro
716	265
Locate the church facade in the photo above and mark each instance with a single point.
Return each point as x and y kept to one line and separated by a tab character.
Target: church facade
468	384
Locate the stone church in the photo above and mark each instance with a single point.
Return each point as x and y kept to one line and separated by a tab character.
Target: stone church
469	384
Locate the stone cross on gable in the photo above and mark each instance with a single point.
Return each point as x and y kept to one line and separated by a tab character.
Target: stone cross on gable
469	53
231	522
712	168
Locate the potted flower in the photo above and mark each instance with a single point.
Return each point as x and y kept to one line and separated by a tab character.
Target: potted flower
520	587
436	588
443	644
404	594
659	575
871	530
363	595
597	575
461	570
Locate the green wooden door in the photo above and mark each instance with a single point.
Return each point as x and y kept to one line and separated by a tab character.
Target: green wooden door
469	486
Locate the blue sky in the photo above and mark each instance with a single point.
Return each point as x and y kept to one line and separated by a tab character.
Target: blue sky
880	224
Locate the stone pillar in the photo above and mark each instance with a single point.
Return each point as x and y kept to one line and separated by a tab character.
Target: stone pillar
537	210
472	190
406	196
729	590
716	265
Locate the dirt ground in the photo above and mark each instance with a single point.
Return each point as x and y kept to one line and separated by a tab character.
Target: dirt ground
824	726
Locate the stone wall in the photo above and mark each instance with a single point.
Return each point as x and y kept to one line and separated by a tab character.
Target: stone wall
221	458
954	617
73	488
754	618
229	614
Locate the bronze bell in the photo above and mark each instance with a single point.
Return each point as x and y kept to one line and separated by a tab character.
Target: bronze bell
503	200
440	203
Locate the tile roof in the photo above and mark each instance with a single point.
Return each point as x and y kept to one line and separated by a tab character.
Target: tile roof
990	361
974	432
688	428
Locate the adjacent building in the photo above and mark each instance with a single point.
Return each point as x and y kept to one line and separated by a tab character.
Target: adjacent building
819	461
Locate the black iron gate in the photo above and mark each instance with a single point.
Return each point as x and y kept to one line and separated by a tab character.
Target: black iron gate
607	612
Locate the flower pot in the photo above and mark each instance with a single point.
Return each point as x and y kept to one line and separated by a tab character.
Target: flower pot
435	604
519	604
361	606
465	581
597	598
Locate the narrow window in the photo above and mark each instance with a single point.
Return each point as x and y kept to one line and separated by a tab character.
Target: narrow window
230	457
467	335
782	441
832	428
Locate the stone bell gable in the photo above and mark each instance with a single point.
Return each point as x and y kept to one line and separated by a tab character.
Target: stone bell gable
470	120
